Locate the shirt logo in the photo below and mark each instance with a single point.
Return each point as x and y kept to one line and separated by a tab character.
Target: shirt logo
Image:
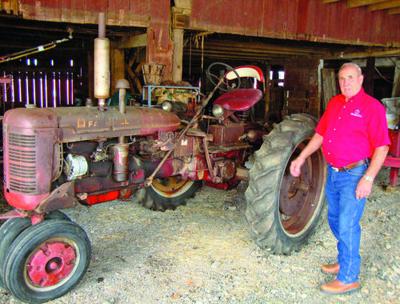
356	113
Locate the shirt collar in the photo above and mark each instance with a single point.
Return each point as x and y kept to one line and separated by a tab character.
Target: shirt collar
356	97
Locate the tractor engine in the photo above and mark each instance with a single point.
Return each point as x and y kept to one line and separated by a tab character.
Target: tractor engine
53	155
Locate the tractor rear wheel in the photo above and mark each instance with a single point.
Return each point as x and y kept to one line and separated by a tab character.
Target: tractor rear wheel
283	210
46	261
169	193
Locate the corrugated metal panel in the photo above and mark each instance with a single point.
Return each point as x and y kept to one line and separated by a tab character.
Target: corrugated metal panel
297	19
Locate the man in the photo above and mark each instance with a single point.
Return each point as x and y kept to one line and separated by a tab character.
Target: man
352	130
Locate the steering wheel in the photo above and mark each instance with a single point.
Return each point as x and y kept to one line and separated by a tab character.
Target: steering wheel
214	78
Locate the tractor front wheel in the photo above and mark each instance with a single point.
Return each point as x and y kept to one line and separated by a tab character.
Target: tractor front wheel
46	261
12	228
283	210
8	233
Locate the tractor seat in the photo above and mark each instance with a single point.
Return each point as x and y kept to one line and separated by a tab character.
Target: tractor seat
239	99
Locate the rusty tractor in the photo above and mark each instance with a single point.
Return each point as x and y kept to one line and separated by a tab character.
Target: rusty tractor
56	158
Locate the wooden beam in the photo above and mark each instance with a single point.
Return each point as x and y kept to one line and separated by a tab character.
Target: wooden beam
177	55
394	11
384	5
358	3
369	76
117	67
10	6
396	80
90	60
353	55
133	42
329	88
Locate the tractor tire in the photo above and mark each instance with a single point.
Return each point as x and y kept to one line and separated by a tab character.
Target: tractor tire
168	193
46	261
283	210
8	233
57	215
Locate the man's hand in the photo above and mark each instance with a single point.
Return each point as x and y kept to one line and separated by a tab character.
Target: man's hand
364	188
295	166
313	145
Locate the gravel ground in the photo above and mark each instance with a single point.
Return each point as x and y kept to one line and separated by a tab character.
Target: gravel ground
202	253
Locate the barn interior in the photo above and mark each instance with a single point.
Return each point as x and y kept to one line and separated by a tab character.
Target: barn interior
47	47
65	145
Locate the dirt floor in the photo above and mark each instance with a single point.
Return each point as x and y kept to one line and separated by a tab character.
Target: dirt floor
203	253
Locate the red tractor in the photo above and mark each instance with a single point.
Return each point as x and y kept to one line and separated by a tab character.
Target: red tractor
57	158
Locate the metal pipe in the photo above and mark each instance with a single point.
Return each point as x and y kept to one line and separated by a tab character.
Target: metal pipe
102	64
120	161
122	109
121	100
102	25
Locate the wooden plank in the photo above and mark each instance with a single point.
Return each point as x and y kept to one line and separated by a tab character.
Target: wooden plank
384	5
117	66
77	11
10	6
368	53
66	10
177	62
329	88
396	79
394	11
267	95
133	41
358	3
369	76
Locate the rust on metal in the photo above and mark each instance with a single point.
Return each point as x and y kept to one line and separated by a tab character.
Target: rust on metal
62	197
226	135
87	123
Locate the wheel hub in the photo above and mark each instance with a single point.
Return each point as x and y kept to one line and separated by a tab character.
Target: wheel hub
298	194
169	186
51	263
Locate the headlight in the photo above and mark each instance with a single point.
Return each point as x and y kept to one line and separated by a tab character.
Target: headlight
217	111
166	106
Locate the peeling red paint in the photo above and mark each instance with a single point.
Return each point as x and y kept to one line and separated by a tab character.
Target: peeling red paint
294	19
297	19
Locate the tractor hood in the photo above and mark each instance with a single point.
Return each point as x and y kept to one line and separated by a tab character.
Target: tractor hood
88	123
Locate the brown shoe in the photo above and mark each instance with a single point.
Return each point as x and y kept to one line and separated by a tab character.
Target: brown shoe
330	268
337	287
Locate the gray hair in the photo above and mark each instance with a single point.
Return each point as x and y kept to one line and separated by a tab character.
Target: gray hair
352	65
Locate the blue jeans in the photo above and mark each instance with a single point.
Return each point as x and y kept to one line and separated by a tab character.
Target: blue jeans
344	214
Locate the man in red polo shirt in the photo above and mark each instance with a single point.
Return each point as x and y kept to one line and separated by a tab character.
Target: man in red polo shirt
352	130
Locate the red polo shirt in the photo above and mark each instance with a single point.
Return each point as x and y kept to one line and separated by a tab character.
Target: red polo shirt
352	130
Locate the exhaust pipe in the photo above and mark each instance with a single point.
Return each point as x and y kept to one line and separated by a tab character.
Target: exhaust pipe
102	65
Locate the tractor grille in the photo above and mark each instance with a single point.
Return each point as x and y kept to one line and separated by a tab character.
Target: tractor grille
22	163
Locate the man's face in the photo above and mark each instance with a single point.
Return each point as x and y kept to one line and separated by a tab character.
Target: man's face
350	81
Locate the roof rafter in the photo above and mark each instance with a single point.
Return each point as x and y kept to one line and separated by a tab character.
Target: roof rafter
384	5
392	7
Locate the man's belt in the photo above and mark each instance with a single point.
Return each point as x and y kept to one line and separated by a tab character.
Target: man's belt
350	166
